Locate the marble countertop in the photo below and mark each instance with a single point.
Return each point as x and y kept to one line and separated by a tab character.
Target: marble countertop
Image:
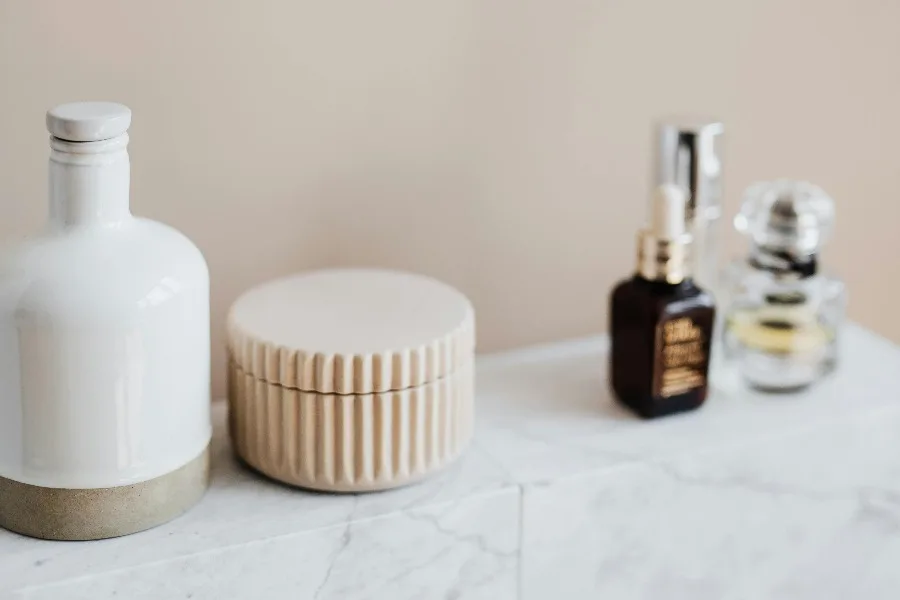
562	495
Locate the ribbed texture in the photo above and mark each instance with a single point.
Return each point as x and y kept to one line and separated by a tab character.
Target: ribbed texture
394	369
349	442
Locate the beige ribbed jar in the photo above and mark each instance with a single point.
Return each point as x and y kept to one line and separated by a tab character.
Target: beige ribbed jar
350	379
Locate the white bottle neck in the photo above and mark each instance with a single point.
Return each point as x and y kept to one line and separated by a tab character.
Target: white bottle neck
89	182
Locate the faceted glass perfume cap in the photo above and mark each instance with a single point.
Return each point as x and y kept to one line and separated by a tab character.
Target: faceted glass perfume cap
789	216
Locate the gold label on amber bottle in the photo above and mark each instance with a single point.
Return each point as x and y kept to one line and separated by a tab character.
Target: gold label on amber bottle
680	357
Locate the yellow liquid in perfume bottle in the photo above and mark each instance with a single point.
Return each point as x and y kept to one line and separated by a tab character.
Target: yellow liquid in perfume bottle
780	330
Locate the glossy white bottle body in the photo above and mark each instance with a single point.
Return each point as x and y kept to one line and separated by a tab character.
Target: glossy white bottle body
104	335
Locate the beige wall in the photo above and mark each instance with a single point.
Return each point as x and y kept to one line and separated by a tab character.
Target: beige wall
502	145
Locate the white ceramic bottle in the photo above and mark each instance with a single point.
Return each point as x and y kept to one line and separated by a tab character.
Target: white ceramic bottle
104	351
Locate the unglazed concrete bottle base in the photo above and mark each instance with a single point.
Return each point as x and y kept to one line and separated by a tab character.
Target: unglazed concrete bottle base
351	380
104	351
93	514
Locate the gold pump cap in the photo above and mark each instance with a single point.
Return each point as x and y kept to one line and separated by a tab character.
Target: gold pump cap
663	247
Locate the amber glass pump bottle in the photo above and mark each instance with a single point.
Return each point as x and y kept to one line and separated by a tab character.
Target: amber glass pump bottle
660	321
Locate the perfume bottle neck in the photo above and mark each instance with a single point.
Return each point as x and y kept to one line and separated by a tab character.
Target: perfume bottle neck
89	182
782	263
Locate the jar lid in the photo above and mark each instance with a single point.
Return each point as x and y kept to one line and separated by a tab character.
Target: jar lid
351	331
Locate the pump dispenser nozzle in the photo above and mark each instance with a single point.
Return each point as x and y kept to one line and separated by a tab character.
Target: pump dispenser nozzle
663	247
689	153
668	212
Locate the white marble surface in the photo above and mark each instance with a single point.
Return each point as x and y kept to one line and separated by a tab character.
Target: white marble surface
812	516
466	549
562	495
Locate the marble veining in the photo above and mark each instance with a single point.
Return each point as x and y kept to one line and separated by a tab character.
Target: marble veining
816	515
465	550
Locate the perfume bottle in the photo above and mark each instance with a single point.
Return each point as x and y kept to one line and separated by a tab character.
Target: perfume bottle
689	154
661	321
783	314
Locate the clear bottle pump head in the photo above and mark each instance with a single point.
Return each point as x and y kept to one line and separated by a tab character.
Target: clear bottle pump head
688	153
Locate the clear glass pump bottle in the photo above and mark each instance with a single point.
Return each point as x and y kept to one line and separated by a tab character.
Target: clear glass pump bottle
688	153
